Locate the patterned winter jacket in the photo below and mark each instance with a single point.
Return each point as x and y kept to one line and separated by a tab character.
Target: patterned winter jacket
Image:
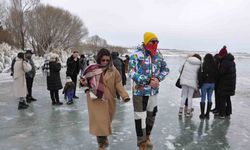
142	68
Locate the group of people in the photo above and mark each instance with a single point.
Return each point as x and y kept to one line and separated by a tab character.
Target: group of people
216	73
147	68
104	82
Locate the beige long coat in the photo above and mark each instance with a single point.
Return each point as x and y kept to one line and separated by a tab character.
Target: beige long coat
101	113
20	68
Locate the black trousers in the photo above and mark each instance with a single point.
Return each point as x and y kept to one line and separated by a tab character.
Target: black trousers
216	99
54	95
225	108
29	83
74	79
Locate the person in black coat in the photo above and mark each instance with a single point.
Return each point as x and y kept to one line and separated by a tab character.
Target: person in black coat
54	83
216	95
30	76
73	68
120	66
227	82
207	83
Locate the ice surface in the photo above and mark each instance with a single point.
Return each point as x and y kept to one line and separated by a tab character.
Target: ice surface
43	126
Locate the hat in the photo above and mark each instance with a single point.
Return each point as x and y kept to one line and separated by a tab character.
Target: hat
20	55
149	36
68	79
28	51
223	52
53	56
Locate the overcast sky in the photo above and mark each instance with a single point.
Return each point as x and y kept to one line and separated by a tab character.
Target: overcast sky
179	24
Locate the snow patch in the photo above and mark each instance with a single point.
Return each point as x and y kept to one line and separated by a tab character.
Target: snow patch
169	145
29	114
170	137
8	118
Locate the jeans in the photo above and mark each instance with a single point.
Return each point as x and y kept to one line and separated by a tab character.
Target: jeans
207	89
70	95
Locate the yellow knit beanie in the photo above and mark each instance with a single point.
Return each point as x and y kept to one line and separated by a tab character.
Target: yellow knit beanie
149	36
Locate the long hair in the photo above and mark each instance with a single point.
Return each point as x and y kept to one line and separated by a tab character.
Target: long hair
104	52
209	62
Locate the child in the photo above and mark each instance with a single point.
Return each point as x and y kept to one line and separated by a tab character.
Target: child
69	90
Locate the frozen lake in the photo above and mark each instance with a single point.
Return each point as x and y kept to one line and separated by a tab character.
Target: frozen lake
43	126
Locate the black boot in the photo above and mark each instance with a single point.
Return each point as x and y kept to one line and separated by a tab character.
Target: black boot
58	102
53	102
209	105
28	99
202	106
22	105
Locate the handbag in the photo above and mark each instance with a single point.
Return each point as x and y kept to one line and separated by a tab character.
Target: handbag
197	93
178	84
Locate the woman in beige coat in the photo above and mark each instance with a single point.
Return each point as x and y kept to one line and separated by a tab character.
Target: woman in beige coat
101	111
20	89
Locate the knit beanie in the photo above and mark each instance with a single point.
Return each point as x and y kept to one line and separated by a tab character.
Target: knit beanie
223	52
149	36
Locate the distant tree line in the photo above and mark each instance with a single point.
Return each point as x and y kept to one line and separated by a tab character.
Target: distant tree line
29	23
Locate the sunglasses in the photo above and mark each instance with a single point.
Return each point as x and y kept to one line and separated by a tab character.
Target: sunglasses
154	41
105	60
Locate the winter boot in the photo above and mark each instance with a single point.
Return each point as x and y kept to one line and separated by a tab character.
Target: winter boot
209	105
22	105
202	106
180	111
189	113
185	110
53	102
143	146
58	102
101	147
149	143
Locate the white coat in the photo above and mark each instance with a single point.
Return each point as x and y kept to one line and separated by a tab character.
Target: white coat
20	68
189	76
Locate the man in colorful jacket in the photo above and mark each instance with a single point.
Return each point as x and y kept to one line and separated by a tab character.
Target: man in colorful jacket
147	68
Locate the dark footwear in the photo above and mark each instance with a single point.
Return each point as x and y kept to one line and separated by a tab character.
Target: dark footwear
59	103
22	105
70	102
202	107
180	111
53	103
209	105
149	143
28	100
33	99
228	116
75	97
143	146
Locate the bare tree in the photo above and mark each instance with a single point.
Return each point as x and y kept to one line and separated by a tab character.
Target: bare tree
50	28
2	13
16	19
96	40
